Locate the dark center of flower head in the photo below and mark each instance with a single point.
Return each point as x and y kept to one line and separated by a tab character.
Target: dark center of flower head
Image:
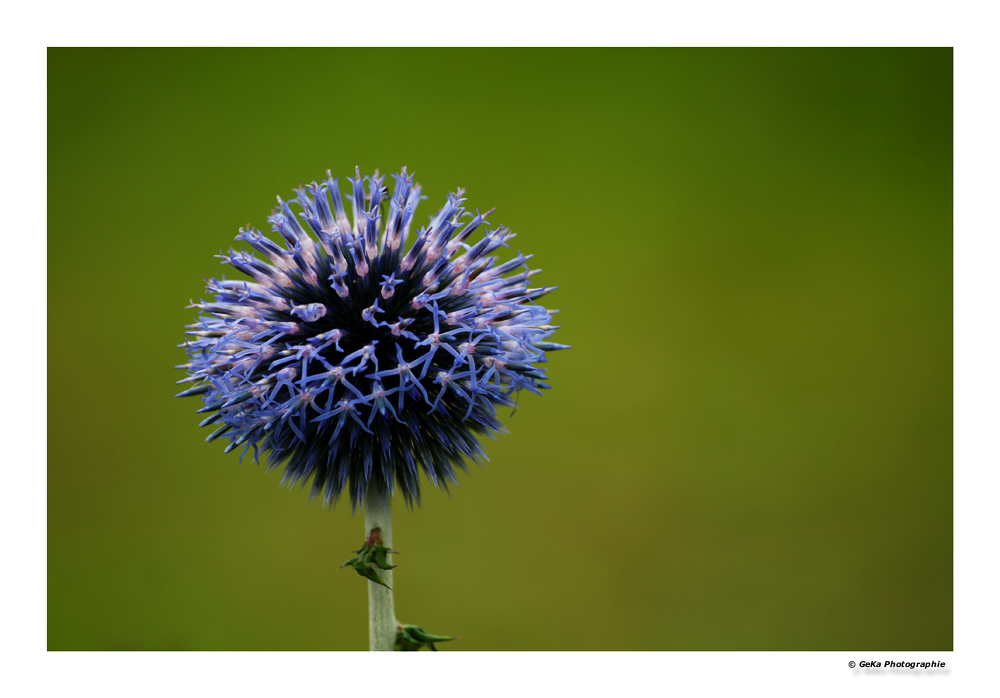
357	360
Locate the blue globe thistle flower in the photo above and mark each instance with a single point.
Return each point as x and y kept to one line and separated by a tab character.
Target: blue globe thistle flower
357	362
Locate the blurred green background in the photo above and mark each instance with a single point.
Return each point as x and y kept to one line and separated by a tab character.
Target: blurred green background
748	448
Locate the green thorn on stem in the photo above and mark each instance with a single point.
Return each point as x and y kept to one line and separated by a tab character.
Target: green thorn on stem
413	638
371	555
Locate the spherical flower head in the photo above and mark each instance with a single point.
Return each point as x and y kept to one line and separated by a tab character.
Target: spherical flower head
359	357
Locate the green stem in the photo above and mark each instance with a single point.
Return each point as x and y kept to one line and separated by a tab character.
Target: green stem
381	614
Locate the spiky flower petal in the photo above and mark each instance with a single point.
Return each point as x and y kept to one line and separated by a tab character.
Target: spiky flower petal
356	362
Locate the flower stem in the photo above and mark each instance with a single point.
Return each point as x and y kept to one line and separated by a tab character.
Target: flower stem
381	614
